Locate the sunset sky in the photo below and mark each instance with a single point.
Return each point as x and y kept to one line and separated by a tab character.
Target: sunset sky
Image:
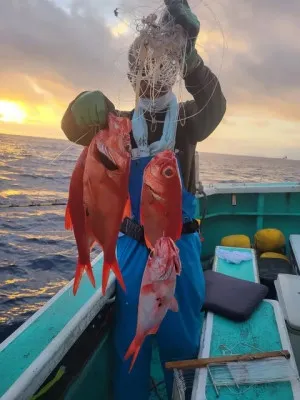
52	50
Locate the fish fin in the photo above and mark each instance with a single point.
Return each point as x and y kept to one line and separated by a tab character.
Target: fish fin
90	236
133	350
179	232
174	305
114	266
127	209
78	275
91	240
92	243
154	330
68	220
178	267
158	203
148	243
146	289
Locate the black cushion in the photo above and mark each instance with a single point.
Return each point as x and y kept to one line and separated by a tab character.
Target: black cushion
230	297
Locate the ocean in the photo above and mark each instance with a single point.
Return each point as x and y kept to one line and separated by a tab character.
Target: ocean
37	256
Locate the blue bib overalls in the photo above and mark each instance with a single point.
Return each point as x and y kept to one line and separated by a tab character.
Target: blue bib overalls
179	334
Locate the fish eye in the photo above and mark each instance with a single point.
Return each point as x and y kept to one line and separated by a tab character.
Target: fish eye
168	172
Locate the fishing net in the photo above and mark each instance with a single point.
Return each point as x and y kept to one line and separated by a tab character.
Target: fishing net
229	378
157	54
157	49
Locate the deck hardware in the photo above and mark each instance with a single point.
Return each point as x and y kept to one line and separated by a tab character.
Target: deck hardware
233	200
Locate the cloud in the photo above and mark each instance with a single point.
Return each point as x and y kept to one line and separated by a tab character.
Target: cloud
40	39
267	74
52	50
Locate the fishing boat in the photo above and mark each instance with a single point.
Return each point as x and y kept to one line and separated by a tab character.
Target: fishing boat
64	350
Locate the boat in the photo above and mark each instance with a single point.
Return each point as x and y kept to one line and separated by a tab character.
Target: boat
63	351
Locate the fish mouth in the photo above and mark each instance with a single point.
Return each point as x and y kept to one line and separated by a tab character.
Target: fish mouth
154	193
106	158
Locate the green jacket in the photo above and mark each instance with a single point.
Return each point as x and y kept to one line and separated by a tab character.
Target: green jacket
205	88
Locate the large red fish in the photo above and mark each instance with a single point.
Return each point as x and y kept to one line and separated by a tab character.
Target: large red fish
106	198
157	292
161	199
75	219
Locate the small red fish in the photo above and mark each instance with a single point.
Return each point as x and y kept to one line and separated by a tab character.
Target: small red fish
75	219
161	199
157	292
106	197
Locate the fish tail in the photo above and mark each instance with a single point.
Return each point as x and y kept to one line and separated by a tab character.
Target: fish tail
133	350
89	272
78	275
68	220
114	266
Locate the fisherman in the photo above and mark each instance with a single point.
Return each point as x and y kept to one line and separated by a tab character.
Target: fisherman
179	334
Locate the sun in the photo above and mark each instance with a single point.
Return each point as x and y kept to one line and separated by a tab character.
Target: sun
11	112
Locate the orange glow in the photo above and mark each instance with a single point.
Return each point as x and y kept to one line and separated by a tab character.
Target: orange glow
120	29
265	125
11	111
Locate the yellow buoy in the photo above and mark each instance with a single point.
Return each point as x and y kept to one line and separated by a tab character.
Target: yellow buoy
236	241
269	240
270	254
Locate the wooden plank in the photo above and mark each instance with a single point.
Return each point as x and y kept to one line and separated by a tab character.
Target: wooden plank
204	362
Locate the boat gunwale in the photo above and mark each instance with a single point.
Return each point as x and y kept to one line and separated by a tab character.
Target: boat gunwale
35	374
240	187
40	311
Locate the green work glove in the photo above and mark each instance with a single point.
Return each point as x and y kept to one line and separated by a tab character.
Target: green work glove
87	114
92	108
181	12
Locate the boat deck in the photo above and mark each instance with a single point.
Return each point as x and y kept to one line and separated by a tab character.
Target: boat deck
265	330
32	352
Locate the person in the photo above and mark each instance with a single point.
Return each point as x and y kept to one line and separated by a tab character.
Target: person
179	334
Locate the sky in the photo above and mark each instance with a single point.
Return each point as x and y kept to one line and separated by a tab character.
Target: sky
51	50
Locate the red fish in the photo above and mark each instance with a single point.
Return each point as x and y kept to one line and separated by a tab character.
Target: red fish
157	292
106	197
161	199
75	219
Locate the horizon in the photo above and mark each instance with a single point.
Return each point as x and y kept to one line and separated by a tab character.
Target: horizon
258	74
202	152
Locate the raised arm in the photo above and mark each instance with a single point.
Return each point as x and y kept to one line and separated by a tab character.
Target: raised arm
206	111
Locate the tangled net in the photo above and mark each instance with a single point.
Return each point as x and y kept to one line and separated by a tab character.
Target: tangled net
155	57
157	54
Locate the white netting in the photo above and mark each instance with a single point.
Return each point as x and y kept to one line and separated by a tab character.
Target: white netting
157	54
158	48
235	378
